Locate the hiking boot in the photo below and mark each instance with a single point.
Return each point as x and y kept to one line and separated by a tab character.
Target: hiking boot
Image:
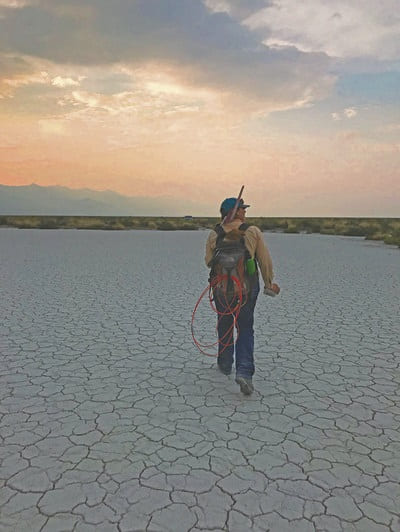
224	370
246	385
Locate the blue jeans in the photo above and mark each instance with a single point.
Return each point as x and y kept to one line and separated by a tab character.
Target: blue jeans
244	345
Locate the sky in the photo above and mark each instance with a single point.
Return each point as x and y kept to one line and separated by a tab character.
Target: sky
190	99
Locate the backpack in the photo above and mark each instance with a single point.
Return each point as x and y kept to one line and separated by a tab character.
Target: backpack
228	265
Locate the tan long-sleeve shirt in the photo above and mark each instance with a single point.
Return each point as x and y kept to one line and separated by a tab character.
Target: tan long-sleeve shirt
254	242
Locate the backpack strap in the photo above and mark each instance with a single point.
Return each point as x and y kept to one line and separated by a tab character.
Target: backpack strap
220	233
243	228
219	230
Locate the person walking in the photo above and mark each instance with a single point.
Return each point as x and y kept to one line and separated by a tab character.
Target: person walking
229	238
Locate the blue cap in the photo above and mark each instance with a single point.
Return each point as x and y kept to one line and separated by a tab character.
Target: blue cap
229	203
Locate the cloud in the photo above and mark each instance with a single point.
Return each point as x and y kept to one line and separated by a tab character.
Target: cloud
350	112
61	82
13	4
212	50
17	71
148	93
217	6
343	28
24	73
238	9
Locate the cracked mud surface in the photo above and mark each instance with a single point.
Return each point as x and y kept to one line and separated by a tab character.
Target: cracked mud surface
110	420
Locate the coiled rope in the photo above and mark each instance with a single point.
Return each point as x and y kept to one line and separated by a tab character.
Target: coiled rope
230	308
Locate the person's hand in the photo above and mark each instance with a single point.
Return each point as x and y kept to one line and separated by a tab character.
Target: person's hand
275	288
272	290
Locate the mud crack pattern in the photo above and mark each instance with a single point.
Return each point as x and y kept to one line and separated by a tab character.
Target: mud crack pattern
110	420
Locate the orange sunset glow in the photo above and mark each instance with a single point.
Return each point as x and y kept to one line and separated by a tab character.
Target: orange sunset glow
187	100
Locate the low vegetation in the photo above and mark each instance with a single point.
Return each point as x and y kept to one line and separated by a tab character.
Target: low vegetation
384	229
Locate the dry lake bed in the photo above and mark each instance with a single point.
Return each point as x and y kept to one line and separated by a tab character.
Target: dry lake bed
111	420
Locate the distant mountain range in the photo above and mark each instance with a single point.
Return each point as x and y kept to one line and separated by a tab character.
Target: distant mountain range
56	200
